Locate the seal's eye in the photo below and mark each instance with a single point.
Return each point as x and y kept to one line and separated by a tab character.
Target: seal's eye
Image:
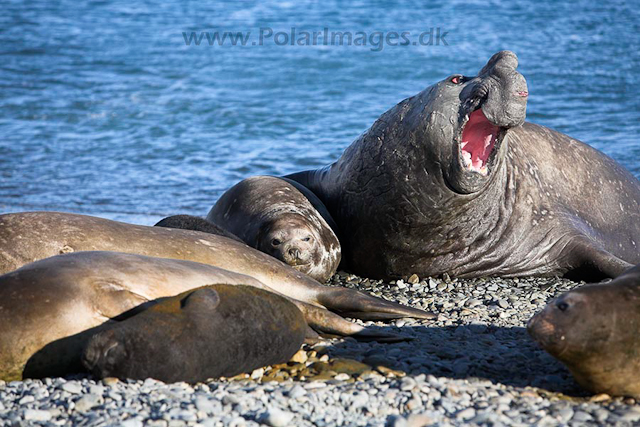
306	239
562	306
275	242
456	80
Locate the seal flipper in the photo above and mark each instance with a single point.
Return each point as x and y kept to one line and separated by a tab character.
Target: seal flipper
326	322
593	264
359	305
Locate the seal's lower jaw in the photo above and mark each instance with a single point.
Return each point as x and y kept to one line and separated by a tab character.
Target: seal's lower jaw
299	265
478	143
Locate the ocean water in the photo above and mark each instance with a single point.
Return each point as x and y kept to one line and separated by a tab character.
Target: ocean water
105	109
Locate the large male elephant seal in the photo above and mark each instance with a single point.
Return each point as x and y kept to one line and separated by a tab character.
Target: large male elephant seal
595	331
195	223
283	219
452	180
206	333
50	308
30	236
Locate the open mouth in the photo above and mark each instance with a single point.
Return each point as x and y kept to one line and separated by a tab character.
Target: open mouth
478	142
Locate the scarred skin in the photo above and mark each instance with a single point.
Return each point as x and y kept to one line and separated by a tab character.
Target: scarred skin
31	236
548	204
283	219
50	308
594	331
209	332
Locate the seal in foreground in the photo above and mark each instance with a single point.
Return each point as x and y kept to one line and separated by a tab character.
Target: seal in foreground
209	332
30	236
595	331
280	218
453	181
50	308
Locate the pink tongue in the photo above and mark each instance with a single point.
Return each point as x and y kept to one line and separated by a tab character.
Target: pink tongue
478	139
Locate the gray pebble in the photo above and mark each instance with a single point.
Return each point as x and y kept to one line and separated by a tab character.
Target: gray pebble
466	414
26	399
72	387
276	417
132	422
472	302
359	400
37	415
581	417
631	415
297	392
87	402
407	383
564	415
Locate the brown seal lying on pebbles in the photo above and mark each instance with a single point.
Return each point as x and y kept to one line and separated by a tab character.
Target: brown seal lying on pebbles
595	331
49	308
209	332
30	236
452	180
283	219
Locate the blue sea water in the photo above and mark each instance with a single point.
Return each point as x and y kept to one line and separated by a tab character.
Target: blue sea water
105	109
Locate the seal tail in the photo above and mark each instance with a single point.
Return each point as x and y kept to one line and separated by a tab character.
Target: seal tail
356	304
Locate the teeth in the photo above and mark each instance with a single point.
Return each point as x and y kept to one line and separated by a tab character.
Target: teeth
466	157
487	141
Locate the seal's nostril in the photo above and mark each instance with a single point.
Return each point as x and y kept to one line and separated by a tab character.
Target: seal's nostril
294	252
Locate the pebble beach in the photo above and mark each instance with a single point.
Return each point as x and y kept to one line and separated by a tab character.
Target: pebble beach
473	365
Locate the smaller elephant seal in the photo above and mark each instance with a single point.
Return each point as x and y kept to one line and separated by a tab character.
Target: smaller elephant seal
195	223
595	331
283	219
214	331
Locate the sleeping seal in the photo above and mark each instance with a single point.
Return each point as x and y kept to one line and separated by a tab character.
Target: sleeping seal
595	331
209	332
50	308
30	236
452	180
195	223
283	219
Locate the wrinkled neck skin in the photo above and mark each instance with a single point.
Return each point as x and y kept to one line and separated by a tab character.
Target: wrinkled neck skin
434	165
425	202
